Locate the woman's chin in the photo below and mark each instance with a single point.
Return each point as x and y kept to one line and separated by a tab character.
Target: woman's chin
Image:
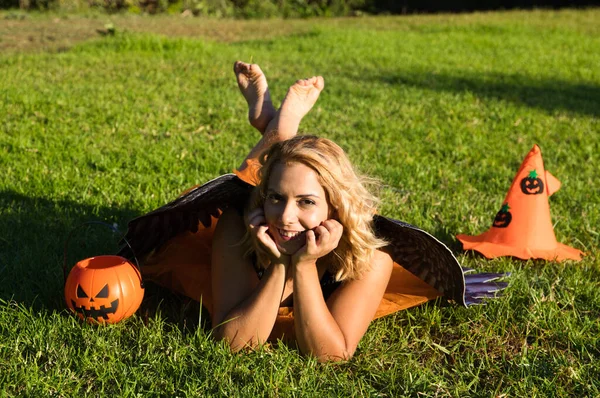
291	246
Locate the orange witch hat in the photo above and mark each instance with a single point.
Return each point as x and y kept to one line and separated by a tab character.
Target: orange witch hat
523	228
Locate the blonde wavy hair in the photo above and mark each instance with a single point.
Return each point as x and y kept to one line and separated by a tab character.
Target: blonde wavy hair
346	192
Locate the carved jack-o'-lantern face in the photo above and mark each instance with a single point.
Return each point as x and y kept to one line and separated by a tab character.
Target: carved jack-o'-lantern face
104	289
532	185
99	306
503	217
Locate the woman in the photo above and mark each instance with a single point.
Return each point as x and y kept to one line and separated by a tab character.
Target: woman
309	216
303	226
300	259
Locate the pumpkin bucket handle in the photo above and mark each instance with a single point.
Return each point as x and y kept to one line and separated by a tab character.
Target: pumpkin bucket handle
112	227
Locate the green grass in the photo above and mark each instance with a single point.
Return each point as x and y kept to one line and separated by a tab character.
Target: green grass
442	109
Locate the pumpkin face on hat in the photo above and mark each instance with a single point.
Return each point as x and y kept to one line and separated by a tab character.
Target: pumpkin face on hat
104	289
532	185
503	217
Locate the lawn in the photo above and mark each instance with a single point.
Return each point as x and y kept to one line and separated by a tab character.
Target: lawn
442	109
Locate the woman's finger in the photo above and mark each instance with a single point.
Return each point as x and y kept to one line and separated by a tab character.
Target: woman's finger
257	220
311	241
335	229
322	234
266	240
332	225
261	233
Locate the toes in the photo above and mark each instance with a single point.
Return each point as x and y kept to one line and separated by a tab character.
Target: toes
244	68
316	81
238	66
320	82
306	82
254	70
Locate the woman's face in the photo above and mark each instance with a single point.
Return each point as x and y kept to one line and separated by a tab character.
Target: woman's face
295	203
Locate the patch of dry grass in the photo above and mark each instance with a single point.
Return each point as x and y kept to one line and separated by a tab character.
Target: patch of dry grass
53	32
56	33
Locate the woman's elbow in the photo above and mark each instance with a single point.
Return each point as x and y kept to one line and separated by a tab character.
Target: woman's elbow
341	354
232	339
334	357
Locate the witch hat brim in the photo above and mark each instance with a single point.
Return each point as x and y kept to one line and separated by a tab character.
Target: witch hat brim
523	227
492	250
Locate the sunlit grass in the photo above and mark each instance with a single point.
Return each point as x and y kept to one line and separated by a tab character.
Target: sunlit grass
441	108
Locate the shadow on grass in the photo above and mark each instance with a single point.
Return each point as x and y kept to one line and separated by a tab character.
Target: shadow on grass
550	95
33	232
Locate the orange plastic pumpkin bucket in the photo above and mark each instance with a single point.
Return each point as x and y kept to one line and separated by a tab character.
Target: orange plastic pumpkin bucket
103	289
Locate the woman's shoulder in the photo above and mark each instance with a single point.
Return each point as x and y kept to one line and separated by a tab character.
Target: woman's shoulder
230	225
382	261
382	255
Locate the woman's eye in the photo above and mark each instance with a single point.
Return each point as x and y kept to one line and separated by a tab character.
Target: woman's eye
273	198
307	202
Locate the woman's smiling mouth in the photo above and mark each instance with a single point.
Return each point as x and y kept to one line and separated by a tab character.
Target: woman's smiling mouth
288	235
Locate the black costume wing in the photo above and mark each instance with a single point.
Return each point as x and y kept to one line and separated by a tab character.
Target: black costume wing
433	262
150	231
414	249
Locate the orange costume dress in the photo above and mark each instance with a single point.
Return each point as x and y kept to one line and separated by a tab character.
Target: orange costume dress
174	244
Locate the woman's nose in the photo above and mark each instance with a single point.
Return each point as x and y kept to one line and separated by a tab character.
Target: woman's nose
288	213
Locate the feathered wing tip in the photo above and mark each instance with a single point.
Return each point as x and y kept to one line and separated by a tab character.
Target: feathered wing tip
152	230
479	287
424	256
433	262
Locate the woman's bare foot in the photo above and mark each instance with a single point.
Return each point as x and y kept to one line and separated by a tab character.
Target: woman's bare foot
253	85
301	97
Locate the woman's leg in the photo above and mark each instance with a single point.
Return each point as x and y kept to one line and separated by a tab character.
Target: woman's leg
298	101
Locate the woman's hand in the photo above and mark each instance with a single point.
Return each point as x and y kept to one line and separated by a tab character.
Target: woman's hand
259	230
319	242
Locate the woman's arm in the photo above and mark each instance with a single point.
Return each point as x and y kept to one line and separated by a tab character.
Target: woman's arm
331	330
245	308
